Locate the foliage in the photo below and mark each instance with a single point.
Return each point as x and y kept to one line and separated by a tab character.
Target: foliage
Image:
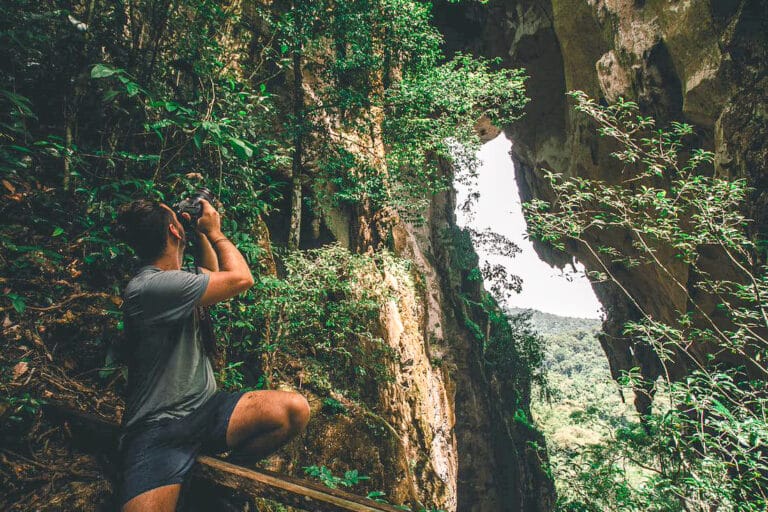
514	350
351	478
334	406
706	448
433	115
387	85
20	406
317	324
580	411
322	473
17	111
463	242
105	102
511	351
232	378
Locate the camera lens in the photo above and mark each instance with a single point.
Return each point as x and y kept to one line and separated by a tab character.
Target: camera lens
192	206
204	193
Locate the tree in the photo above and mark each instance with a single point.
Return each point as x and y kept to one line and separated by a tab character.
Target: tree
385	110
707	449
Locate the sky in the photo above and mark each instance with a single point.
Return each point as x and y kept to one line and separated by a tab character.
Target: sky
564	293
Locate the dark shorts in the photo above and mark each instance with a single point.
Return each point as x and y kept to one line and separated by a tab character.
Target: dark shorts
162	452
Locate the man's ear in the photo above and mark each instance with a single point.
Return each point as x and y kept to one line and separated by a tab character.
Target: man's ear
175	232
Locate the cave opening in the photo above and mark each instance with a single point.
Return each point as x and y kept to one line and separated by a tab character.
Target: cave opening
489	200
564	311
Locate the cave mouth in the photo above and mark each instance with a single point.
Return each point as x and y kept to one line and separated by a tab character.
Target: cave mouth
578	392
491	201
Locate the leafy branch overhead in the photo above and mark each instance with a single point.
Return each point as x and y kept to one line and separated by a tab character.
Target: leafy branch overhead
705	447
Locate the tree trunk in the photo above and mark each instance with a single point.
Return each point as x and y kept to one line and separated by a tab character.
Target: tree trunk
298	136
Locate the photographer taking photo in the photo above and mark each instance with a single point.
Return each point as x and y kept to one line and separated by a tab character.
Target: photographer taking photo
173	410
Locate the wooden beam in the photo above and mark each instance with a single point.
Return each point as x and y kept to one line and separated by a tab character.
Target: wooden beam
255	483
282	488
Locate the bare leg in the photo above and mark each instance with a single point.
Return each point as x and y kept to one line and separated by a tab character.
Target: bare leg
263	421
161	499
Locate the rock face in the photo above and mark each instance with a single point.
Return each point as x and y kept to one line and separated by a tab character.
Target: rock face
406	443
455	440
499	461
699	61
451	436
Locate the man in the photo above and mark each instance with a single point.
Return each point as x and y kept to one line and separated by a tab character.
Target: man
173	409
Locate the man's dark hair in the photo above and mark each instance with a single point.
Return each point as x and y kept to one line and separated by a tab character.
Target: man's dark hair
143	225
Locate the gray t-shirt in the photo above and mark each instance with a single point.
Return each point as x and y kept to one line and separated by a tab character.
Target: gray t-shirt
169	375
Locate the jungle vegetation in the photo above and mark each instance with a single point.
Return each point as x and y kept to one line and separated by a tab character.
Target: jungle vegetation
702	446
286	111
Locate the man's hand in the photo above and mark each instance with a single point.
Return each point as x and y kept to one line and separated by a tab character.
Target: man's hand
208	229
210	220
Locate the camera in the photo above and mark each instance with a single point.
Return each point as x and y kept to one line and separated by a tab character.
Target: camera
192	206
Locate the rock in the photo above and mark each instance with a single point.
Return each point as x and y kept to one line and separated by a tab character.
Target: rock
700	61
614	79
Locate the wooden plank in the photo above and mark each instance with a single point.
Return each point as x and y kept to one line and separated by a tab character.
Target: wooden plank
289	490
101	436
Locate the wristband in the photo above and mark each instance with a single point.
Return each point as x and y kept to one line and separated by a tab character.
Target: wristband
213	244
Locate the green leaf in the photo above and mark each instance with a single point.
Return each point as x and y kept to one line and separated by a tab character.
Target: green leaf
18	303
110	95
719	407
58	231
132	88
241	148
109	365
103	71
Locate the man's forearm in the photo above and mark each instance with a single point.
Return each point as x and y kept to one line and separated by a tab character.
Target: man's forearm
208	258
233	275
229	257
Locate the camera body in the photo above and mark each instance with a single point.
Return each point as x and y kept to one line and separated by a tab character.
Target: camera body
192	205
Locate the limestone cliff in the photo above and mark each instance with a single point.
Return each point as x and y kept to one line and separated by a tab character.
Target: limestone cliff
440	433
433	431
500	462
450	437
699	61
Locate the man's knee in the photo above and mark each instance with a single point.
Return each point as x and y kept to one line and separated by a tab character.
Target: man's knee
298	412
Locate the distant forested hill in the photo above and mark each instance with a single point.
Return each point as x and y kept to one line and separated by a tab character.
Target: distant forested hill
547	323
571	345
582	405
